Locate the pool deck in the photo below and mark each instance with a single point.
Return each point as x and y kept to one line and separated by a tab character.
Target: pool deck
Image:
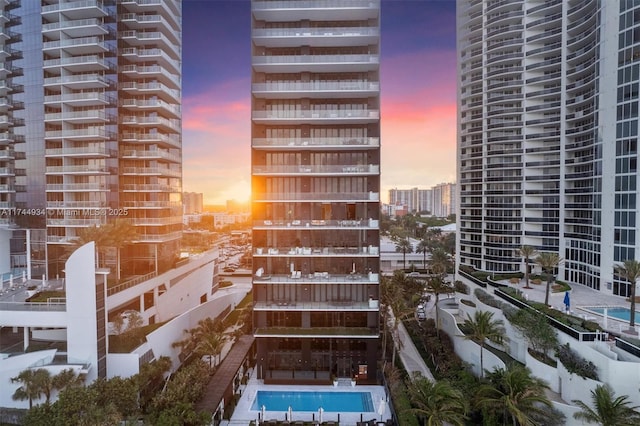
581	299
243	413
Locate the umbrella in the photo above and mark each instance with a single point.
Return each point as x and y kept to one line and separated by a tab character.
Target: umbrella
567	300
381	408
263	410
320	411
290	412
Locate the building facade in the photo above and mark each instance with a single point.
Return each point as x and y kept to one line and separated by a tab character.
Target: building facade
443	198
548	130
100	98
316	189
415	199
192	202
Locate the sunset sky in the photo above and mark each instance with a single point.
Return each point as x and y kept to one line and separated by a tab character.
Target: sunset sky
418	81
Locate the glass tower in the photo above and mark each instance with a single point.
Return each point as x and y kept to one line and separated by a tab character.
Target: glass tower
315	187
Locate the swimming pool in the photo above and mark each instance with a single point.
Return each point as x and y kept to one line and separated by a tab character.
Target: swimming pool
623	314
336	402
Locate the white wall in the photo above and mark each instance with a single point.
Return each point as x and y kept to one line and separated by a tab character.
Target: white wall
12	366
82	336
468	350
161	339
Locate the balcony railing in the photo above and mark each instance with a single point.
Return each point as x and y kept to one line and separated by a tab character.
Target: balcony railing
76	187
316	224
337	305
316	114
317	196
318	278
317	169
316	59
298	86
316	32
33	306
315	4
346	141
317	251
317	331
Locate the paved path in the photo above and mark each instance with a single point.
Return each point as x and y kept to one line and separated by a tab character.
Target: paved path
411	358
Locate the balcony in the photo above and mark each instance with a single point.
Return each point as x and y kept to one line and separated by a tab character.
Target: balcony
352	169
149	204
316	63
79	63
93	205
74	9
96	221
152	154
89	169
151	55
84	151
316	143
76	187
335	116
146	88
316	224
77	28
141	38
151	171
78	81
77	46
316	196
337	305
315	89
151	104
156	122
291	252
155	221
149	187
329	36
172	140
78	134
77	117
80	99
322	10
148	71
157	238
318	332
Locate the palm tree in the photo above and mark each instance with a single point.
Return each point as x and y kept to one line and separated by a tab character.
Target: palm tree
423	247
630	271
404	246
437	403
526	252
438	286
606	409
440	262
67	378
482	327
211	345
514	393
34	384
98	234
548	261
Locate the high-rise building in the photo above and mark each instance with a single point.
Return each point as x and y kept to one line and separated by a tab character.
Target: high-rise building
443	199
315	188
548	135
102	94
415	199
192	202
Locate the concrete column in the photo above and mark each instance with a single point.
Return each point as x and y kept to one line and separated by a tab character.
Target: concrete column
26	338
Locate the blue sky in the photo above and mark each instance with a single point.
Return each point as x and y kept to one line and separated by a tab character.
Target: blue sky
417	95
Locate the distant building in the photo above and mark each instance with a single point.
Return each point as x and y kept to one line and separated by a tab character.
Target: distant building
439	200
443	198
192	202
414	199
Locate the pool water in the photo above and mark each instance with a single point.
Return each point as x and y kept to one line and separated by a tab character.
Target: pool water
336	402
619	313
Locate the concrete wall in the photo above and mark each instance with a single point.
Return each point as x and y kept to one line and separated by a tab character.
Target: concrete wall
12	366
184	286
160	340
82	336
468	350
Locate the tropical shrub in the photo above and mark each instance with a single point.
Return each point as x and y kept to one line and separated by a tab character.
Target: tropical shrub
576	364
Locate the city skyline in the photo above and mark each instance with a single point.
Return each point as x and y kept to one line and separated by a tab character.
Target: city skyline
418	96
